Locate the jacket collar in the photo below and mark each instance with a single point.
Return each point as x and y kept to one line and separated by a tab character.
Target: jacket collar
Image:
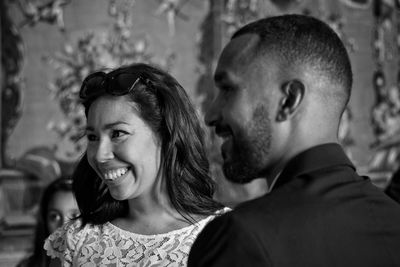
317	157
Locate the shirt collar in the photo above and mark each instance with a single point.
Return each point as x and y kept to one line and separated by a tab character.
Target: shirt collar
317	157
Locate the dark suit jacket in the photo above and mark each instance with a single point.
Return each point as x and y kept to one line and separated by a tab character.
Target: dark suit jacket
393	188
320	213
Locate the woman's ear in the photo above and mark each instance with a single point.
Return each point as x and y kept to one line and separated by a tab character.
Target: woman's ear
293	93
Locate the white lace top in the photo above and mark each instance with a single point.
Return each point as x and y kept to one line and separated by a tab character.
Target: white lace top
109	245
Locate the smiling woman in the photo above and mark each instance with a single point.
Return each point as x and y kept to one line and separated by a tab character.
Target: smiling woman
123	150
144	179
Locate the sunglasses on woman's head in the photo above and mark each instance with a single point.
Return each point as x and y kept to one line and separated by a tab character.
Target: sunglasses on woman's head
113	83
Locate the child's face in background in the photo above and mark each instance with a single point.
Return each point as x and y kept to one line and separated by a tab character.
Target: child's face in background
62	208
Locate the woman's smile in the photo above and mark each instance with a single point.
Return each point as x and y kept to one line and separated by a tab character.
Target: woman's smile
111	175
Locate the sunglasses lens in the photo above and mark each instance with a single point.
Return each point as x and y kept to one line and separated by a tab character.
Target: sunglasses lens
92	85
114	83
123	83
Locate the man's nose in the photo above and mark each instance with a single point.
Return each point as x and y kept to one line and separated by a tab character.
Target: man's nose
104	151
212	114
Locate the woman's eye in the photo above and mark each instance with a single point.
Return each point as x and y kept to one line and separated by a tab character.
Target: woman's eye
74	215
54	217
118	133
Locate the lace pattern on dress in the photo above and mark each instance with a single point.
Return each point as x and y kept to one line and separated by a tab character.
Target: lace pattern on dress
108	245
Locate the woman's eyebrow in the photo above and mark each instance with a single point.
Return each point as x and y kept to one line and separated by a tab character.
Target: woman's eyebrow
107	126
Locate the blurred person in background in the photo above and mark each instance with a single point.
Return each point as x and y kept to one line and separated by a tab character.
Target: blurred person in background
57	206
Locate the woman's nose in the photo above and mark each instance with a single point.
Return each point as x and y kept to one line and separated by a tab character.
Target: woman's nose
65	219
104	151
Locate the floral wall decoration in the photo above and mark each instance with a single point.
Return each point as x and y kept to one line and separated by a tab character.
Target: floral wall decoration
36	11
13	58
359	4
239	12
385	113
94	51
172	10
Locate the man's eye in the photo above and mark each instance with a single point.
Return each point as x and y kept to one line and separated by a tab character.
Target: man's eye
225	88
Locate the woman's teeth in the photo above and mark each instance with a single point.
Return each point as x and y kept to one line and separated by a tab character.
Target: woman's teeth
114	174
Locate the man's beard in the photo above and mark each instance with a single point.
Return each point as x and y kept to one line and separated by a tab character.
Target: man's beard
250	149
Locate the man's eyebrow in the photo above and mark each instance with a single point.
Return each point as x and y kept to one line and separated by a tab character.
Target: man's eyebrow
107	126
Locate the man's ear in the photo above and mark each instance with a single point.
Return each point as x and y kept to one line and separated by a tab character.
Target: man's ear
293	93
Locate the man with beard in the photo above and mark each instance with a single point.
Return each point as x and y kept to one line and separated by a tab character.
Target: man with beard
283	84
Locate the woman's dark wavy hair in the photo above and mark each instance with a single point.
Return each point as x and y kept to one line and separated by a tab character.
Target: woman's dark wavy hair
166	108
39	257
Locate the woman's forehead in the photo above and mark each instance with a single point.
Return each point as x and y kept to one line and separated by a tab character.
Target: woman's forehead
109	108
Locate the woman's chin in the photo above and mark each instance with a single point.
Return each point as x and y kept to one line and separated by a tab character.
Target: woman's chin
121	193
118	195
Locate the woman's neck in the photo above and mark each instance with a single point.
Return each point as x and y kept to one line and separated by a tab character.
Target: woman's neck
151	217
